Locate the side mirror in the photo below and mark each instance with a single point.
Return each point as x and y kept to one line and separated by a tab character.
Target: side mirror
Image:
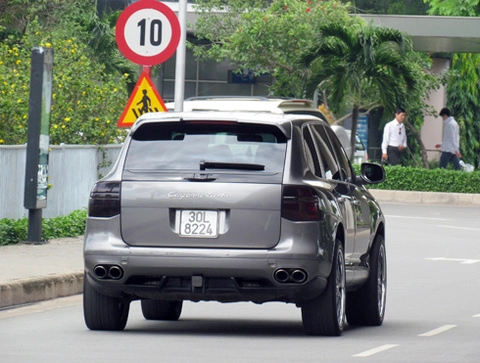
371	173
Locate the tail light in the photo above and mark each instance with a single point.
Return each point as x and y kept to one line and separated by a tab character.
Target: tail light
104	200
299	203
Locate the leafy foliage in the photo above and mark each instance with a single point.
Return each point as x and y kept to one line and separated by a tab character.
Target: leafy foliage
363	66
404	7
264	36
425	180
15	231
89	90
454	7
463	89
463	82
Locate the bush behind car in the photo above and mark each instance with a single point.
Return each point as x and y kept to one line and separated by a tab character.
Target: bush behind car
428	180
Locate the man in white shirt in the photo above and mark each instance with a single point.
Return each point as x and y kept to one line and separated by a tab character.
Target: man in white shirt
394	138
451	141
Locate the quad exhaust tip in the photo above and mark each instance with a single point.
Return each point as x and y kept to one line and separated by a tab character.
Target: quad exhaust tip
290	275
111	272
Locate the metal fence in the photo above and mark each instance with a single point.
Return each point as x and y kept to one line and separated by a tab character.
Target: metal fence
72	171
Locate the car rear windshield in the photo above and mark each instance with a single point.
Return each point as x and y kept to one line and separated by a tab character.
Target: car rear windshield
205	145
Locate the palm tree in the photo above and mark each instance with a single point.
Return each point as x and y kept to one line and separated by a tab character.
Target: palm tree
361	67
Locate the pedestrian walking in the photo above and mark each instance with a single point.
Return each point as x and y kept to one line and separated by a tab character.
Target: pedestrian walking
394	138
450	145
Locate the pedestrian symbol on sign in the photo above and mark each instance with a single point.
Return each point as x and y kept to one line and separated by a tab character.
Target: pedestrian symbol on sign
146	103
144	99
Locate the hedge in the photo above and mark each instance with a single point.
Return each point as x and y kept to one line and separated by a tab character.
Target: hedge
428	180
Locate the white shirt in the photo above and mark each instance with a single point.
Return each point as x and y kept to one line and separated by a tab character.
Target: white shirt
451	136
394	135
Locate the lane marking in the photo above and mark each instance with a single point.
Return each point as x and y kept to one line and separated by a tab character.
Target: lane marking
440	330
411	217
476	316
373	351
457	227
463	261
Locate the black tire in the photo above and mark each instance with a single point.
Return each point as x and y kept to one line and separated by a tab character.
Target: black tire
161	310
325	314
103	312
367	305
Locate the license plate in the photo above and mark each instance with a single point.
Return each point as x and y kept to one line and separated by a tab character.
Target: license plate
199	223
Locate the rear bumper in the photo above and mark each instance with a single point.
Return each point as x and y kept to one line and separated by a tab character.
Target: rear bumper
221	276
215	289
201	274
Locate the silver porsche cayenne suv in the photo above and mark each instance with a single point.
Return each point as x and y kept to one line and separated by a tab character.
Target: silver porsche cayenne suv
235	206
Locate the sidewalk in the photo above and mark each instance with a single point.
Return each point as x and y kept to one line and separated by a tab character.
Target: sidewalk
400	196
31	273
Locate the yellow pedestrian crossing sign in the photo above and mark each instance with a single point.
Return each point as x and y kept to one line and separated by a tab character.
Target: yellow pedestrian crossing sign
144	98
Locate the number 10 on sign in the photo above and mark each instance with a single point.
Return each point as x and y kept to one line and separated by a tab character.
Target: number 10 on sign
155	32
148	32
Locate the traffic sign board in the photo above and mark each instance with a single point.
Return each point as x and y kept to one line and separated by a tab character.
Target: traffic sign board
143	99
147	32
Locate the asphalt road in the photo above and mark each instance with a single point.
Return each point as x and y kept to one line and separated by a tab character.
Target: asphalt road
433	312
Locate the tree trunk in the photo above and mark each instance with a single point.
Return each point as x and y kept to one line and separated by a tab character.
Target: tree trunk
417	137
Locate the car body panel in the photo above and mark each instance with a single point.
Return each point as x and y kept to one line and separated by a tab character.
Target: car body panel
157	176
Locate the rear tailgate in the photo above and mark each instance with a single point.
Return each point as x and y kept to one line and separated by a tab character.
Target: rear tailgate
209	182
241	215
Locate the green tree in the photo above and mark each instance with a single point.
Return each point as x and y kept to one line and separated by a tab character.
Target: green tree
404	7
453	7
463	82
89	88
264	36
362	67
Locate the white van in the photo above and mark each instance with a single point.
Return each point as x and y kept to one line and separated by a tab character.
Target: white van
249	103
360	155
264	104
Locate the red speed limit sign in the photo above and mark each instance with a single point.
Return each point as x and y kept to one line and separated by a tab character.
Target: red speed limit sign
147	32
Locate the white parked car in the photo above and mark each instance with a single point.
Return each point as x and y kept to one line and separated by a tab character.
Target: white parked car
360	155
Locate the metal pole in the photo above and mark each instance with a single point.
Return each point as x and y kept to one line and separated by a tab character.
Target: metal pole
147	70
36	168
180	59
35	226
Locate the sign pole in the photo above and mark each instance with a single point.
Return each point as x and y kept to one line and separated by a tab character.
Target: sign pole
36	169
148	71
180	60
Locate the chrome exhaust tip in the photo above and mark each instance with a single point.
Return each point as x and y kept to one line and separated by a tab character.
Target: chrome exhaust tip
299	276
281	275
115	272
100	271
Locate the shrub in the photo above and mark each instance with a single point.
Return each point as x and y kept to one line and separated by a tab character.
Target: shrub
89	92
15	231
428	180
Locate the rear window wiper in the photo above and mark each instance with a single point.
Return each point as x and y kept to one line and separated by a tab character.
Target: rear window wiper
226	165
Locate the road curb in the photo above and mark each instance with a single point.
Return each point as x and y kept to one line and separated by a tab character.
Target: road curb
400	196
41	288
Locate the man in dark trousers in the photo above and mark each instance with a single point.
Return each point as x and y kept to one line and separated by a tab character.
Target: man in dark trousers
394	138
451	141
